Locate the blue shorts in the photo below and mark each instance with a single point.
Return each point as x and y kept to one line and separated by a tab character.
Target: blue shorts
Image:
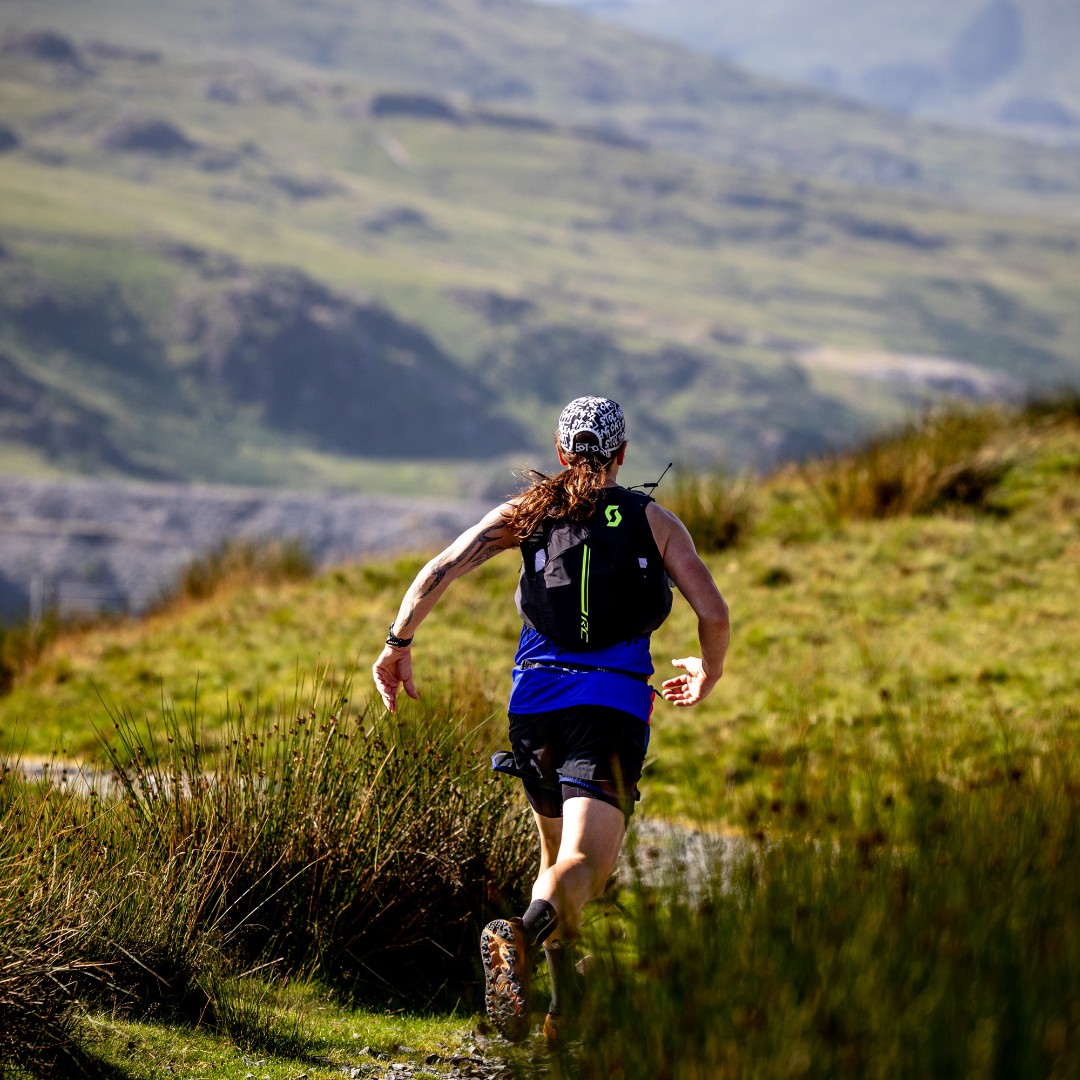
590	751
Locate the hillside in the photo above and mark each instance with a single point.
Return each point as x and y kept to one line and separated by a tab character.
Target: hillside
1008	64
848	628
223	271
553	62
869	831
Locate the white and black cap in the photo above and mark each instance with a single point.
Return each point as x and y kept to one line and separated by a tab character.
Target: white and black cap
591	425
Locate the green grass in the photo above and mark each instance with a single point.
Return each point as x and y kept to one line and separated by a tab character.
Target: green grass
893	745
942	941
335	1038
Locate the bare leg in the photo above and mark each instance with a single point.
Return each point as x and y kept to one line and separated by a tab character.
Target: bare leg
588	847
550	830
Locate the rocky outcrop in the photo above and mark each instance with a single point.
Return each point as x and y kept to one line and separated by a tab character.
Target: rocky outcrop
148	135
346	374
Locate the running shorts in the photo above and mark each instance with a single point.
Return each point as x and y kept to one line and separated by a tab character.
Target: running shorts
589	751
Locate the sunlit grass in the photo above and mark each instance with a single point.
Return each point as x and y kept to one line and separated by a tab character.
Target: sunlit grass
317	842
943	940
893	749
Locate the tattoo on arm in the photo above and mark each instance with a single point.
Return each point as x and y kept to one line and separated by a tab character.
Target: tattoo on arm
482	547
485	545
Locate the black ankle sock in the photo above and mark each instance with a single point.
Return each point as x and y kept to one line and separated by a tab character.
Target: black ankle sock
539	920
565	981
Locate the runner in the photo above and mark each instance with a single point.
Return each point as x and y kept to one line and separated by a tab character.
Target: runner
595	562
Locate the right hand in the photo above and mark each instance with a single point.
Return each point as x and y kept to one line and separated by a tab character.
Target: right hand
393	670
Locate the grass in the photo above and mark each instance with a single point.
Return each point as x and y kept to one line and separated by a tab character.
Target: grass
718	511
358	851
891	756
943	942
953	456
237	564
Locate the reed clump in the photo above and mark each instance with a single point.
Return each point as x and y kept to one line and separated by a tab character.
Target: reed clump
716	508
948	945
362	850
950	458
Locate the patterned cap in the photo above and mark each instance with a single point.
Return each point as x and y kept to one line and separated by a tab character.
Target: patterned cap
598	417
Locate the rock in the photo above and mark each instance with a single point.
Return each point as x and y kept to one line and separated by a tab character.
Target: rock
415	107
148	136
43	45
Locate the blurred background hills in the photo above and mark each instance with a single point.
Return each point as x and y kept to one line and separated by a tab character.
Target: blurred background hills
376	245
1009	64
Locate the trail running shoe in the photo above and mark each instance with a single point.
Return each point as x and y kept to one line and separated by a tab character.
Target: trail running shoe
561	1024
558	1029
504	952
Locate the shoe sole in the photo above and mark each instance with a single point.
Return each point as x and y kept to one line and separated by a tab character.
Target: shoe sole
506	979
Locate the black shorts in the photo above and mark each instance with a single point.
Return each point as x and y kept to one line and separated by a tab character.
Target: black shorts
585	750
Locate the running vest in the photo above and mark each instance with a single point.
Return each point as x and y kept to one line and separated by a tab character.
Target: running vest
592	584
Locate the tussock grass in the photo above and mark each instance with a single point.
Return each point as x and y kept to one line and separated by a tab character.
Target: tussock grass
718	510
38	1026
22	645
361	849
339	837
945	944
949	458
955	458
239	562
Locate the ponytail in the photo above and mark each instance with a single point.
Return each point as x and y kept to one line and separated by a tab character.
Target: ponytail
568	496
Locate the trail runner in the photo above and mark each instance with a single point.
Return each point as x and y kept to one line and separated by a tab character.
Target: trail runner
580	705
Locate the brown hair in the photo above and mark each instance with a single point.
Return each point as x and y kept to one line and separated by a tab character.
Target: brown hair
570	495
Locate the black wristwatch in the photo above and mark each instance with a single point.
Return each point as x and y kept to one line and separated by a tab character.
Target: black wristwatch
397	642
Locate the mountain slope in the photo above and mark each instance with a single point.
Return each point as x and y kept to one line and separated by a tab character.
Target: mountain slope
553	61
1008	63
214	272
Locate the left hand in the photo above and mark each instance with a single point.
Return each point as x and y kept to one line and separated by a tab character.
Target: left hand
392	671
692	686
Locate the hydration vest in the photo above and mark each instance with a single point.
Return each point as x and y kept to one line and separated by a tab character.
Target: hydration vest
591	584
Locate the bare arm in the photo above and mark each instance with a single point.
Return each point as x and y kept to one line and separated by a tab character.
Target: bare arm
693	579
393	668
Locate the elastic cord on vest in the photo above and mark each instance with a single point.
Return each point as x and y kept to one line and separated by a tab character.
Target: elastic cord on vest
554	665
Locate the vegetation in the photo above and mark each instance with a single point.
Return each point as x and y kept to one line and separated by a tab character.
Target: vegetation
237	564
318	844
943	941
885	786
718	511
